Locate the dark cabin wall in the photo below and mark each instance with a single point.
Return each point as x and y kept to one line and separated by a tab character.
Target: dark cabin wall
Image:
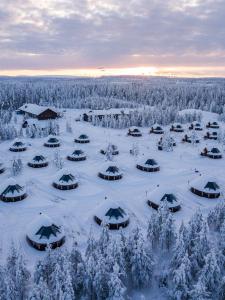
47	114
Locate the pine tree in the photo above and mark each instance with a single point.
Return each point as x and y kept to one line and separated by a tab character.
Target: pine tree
40	291
141	261
116	286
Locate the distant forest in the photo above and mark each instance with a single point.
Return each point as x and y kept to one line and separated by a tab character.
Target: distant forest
161	98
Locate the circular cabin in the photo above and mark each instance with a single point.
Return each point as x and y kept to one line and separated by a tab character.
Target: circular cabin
112	215
113	149
65	180
191	139
52	142
134	131
38	161
77	155
82	139
156	129
2	168
214	153
205	187
18	146
44	232
213	125
11	191
195	126
211	135
177	128
150	165
160	195
112	172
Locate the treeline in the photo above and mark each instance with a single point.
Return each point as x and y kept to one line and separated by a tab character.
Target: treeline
186	265
205	94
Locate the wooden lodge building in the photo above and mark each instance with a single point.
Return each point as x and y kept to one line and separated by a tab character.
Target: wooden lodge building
38	112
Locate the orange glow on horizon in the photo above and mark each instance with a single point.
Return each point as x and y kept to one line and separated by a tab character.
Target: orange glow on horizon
127	71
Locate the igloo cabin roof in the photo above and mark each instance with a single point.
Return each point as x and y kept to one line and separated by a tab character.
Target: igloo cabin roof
78	152
38	158
52	139
151	162
112	169
161	194
215	150
134	129
206	184
111	212
65	177
44	230
83	137
10	188
18	143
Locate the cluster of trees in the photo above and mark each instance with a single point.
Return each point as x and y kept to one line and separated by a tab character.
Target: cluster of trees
186	265
147	117
208	94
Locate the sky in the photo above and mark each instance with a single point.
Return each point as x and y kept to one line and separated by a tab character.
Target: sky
112	37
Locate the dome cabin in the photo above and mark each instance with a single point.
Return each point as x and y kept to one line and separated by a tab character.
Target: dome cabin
160	195
11	191
2	168
166	142
149	165
156	129
65	180
134	131
177	128
111	172
211	135
205	187
214	153
18	146
191	139
82	139
52	142
213	125
112	215
38	161
195	126
112	148
77	155
44	232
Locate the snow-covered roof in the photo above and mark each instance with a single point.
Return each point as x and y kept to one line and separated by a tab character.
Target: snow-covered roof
78	153
34	108
111	212
215	151
157	127
177	125
83	137
52	139
206	184
162	194
12	188
38	159
134	128
17	143
65	177
111	169
44	230
148	163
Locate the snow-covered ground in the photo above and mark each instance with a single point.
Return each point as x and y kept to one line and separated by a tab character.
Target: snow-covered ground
75	208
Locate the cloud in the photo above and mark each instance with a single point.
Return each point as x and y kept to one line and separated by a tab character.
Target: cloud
60	34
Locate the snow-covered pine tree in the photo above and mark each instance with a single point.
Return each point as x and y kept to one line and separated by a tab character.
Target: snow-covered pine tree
116	286
141	261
